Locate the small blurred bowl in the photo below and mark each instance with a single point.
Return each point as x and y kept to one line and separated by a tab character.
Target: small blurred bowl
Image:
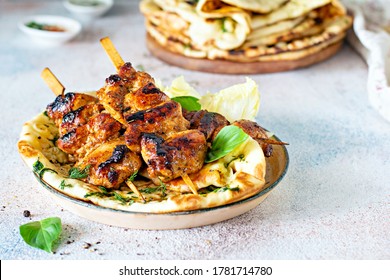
70	26
88	9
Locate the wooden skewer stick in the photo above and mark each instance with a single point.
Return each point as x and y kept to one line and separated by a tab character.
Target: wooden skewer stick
52	81
135	190
189	183
118	62
112	52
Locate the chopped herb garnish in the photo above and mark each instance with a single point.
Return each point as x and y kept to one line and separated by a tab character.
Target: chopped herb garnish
122	199
115	195
38	166
149	190
223	27
45	27
240	157
162	188
103	193
103	189
77	173
40	169
224	189
64	185
45	113
132	177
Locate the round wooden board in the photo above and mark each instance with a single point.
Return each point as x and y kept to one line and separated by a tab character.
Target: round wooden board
232	67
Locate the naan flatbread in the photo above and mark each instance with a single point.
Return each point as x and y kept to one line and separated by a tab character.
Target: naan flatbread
258	6
238	175
205	30
296	29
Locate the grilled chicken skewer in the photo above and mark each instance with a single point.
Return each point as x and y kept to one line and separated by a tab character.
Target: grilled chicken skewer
92	136
147	113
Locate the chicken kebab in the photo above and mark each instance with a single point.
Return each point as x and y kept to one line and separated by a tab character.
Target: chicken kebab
132	126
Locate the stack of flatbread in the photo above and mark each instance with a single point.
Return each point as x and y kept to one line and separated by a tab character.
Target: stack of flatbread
246	30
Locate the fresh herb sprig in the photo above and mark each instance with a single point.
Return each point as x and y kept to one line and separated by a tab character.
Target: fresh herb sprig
42	234
189	103
227	140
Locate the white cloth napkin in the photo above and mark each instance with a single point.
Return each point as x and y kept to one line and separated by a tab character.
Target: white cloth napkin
371	39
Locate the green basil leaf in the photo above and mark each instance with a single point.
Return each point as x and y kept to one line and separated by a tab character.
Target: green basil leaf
189	103
42	234
226	141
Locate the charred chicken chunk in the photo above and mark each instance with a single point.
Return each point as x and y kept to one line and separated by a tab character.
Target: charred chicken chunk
79	117
146	97
182	153
63	104
110	164
83	139
163	120
208	123
118	87
259	134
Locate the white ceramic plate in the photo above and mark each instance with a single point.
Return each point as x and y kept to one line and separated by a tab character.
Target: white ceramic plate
88	12
277	166
71	26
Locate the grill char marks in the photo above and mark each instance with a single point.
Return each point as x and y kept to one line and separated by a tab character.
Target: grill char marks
182	153
116	95
258	133
146	97
82	139
64	104
117	155
110	164
162	120
208	123
79	117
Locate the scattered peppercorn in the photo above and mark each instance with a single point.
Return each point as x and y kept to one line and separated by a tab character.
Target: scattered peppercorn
26	213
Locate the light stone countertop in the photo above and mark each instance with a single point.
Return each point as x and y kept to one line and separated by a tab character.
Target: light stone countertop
332	204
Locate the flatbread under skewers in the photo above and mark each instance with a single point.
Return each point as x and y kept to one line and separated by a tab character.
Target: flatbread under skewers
238	175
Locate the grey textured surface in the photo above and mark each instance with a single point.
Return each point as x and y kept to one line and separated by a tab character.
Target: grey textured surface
332	204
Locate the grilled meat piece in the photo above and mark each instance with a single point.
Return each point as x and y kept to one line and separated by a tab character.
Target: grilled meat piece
116	94
211	123
79	117
146	97
85	138
208	123
63	104
163	120
182	153
110	164
74	140
259	134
